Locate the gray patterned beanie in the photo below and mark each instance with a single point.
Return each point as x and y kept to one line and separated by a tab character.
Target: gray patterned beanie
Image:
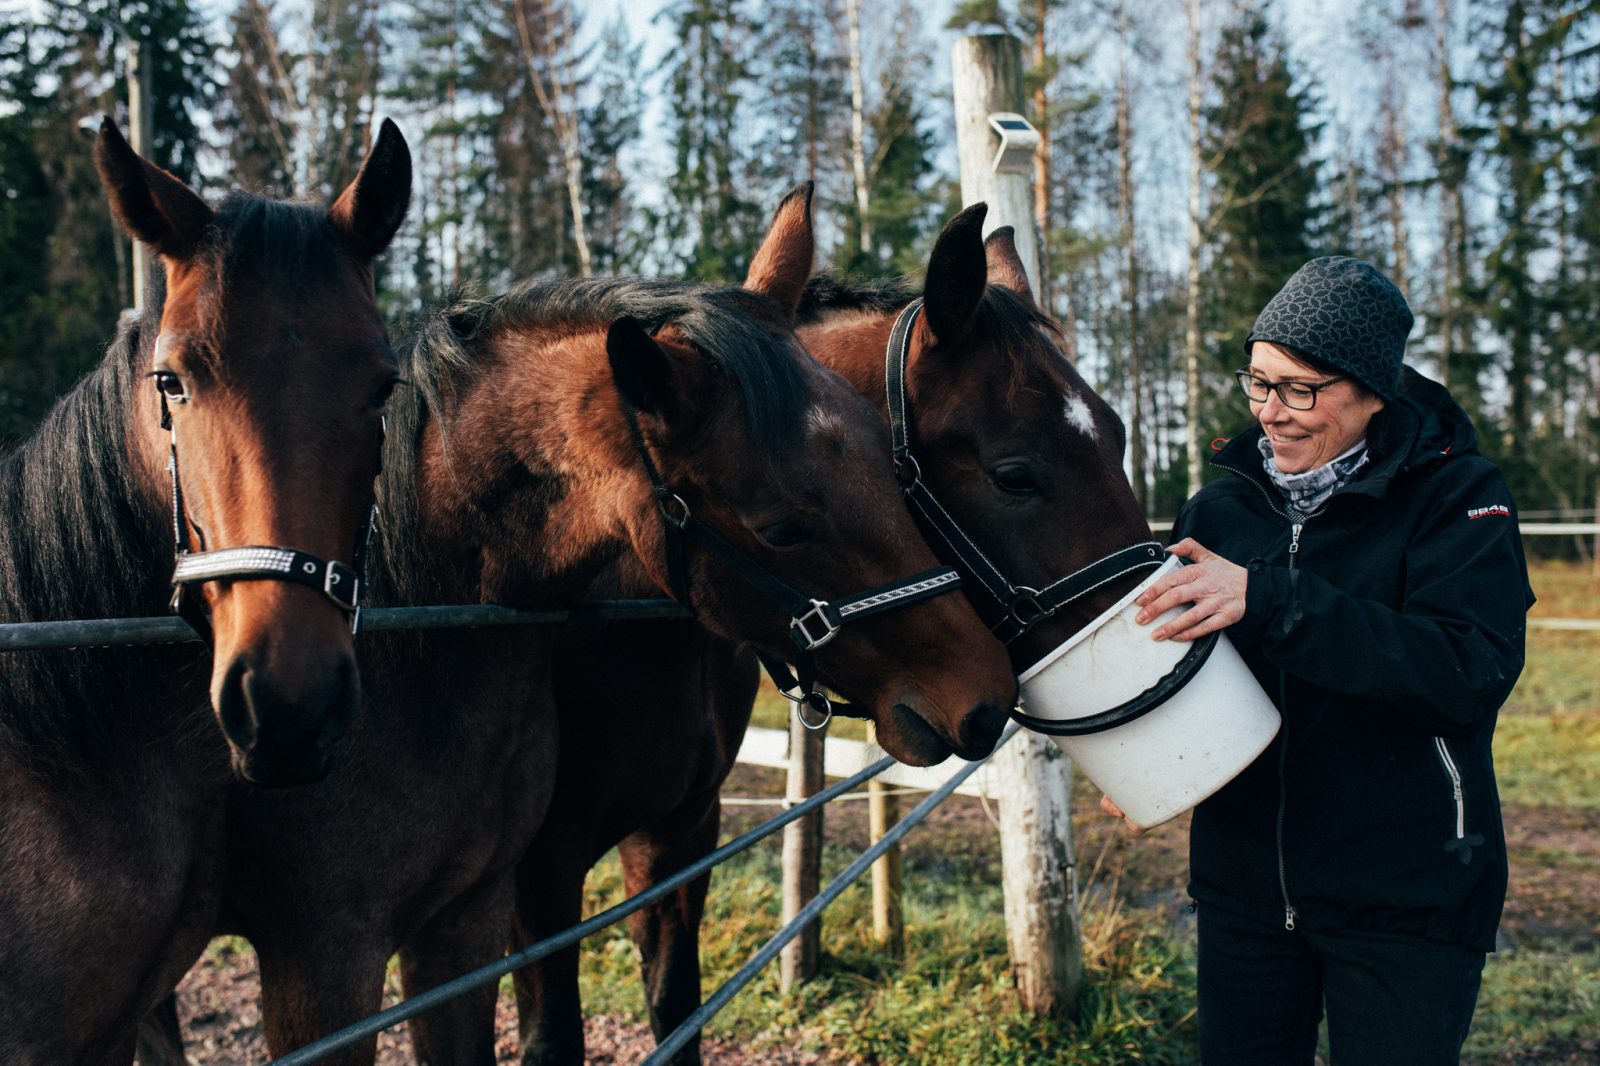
1344	314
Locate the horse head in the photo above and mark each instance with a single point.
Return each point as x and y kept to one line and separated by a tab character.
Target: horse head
791	465
270	370
1021	453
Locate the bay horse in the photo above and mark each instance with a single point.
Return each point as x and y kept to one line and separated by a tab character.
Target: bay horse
552	430
262	364
1023	454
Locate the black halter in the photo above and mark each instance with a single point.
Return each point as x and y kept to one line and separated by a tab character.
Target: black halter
1020	607
812	622
340	582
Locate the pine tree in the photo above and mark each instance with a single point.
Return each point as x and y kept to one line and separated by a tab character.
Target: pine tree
709	225
255	112
1265	214
610	124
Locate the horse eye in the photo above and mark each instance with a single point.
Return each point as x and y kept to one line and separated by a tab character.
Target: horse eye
786	534
1014	478
171	386
380	395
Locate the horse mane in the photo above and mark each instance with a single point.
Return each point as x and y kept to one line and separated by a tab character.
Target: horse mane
439	358
75	543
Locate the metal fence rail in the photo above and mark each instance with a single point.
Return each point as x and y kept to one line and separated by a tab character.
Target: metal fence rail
811	911
170	629
500	967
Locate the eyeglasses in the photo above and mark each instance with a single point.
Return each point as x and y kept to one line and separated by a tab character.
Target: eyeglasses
1295	395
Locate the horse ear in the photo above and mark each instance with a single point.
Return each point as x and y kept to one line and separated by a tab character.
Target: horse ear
645	373
957	275
1005	265
151	204
371	208
782	265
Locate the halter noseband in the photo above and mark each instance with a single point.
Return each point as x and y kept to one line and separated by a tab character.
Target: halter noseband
1020	606
340	582
812	622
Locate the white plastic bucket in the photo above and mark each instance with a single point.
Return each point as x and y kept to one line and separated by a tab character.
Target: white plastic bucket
1162	763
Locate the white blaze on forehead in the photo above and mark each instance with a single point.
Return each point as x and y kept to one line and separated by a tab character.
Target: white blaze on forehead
1079	416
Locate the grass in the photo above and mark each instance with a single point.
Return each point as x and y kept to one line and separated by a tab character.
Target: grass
950	1001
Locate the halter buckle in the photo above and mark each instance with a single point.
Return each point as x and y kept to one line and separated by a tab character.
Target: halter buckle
341	585
1025	608
801	627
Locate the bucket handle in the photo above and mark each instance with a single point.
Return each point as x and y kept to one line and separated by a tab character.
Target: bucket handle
1180	675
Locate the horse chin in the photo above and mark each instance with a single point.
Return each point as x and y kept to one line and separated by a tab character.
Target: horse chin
907	736
278	772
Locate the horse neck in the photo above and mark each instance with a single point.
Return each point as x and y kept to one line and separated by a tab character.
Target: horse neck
85	533
85	530
533	481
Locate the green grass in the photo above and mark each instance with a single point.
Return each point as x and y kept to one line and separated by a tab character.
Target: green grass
950	1001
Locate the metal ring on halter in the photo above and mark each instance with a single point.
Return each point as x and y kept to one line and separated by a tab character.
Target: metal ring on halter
1025	608
810	700
907	471
664	501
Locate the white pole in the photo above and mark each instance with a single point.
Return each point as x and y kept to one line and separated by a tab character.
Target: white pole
141	120
1035	808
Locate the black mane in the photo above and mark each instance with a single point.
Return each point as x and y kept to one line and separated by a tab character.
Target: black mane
76	542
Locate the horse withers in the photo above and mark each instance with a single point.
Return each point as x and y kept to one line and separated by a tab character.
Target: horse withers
261	365
1024	456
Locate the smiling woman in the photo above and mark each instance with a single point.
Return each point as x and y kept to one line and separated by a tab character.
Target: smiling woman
1366	562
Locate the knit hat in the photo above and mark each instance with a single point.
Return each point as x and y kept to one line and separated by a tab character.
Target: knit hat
1344	314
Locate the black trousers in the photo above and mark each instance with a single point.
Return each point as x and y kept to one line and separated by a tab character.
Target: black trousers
1389	998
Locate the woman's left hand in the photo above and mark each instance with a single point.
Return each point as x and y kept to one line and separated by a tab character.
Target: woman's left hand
1211	584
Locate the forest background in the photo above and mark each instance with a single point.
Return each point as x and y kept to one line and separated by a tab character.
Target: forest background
1196	153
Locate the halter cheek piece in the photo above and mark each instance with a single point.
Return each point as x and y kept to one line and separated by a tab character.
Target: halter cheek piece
1018	608
812	622
340	582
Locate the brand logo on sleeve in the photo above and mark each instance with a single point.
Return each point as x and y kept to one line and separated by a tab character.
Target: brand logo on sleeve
1500	509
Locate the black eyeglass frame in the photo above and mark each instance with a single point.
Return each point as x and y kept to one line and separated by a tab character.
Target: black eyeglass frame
1245	378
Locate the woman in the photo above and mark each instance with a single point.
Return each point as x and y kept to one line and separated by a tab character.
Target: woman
1365	560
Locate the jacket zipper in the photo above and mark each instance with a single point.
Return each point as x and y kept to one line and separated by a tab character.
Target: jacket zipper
1297	523
1455	786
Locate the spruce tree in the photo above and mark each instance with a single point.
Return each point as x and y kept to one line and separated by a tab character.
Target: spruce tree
1266	212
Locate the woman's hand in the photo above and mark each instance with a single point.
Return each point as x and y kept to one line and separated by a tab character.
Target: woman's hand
1211	584
1116	812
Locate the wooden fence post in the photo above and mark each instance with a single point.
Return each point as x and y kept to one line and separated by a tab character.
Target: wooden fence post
883	811
802	853
1041	899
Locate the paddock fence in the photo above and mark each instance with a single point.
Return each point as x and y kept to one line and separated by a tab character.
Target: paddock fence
853	761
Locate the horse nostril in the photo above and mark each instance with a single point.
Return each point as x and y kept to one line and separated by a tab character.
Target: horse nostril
235	712
981	731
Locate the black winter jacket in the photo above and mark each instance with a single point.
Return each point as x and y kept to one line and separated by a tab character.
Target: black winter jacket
1388	627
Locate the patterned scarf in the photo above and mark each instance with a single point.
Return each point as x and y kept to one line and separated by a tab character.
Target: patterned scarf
1310	490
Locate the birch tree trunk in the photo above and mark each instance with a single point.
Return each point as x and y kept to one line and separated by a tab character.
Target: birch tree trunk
858	145
559	103
1191	308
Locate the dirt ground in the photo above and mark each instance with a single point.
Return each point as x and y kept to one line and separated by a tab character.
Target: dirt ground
219	1007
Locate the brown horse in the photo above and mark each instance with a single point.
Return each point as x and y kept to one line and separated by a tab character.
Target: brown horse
1024	455
513	475
265	356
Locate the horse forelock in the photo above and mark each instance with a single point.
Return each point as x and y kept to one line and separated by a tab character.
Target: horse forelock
282	247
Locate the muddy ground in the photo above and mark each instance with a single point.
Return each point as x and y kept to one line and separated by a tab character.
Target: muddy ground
1547	905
